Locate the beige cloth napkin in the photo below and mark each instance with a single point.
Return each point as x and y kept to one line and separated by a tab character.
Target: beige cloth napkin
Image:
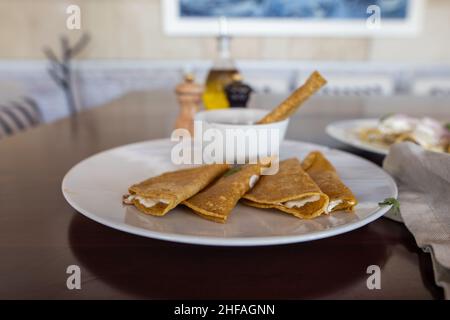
423	179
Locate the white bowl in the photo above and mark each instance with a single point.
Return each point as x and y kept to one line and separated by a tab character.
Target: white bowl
236	127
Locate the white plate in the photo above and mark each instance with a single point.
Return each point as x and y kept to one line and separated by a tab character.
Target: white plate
346	132
95	187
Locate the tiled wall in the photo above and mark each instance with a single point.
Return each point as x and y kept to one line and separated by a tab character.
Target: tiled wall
132	29
117	77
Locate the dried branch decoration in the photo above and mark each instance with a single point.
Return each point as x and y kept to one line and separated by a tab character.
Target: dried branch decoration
60	69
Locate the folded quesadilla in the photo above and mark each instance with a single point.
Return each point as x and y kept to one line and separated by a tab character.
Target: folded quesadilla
158	195
291	190
325	176
218	200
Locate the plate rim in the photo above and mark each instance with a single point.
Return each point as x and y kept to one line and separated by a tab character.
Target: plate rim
234	241
331	127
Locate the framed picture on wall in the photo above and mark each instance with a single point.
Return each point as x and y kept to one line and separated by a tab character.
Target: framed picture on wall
317	18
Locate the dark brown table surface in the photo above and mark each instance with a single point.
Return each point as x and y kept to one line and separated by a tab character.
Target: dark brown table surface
41	235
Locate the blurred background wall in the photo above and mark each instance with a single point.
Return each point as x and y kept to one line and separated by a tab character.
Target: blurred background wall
129	51
132	29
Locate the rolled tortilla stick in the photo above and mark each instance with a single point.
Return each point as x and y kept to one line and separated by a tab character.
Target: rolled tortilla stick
218	200
158	195
291	190
295	100
325	176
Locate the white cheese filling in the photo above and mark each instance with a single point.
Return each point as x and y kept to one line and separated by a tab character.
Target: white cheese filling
253	180
147	202
333	204
397	124
301	202
427	133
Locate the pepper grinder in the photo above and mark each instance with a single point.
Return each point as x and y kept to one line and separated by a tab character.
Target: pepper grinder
189	96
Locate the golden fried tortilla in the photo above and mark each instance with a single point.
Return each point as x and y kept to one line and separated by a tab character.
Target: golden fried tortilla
291	190
325	176
218	200
158	195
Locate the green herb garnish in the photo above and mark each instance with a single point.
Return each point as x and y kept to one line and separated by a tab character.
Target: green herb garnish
382	118
391	202
447	126
232	171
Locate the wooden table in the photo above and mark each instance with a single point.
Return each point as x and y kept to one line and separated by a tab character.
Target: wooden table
41	235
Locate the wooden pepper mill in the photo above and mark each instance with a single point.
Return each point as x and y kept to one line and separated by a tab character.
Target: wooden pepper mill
189	96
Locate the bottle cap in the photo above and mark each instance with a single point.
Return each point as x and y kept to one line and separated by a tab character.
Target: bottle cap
236	77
